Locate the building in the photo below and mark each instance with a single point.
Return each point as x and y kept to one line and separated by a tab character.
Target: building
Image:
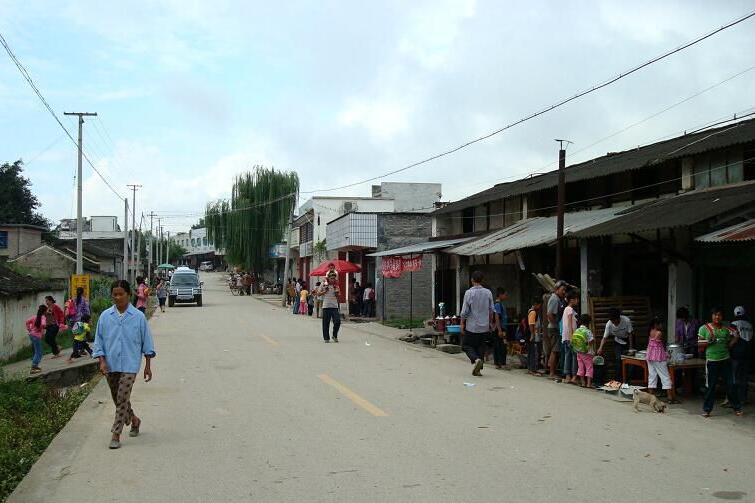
57	263
94	228
17	239
199	248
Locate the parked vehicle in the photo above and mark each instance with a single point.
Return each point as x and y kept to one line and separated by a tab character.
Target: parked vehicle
185	287
206	266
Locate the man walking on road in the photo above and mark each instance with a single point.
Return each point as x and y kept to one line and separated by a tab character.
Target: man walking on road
476	313
328	292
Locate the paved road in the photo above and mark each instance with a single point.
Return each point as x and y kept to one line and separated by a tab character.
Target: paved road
248	404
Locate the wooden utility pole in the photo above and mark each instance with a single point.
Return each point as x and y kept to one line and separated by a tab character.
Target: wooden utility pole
79	217
560	208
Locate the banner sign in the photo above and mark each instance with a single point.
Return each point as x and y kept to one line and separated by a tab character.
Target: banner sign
277	250
393	267
79	280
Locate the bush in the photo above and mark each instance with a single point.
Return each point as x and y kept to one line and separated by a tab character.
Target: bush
31	414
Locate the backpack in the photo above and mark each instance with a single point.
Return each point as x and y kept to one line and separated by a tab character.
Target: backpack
579	340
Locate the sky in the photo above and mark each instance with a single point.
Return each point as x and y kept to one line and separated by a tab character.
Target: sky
190	94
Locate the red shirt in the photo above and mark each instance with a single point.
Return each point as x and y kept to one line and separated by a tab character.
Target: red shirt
57	313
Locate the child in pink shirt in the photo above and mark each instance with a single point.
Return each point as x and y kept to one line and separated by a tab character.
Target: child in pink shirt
35	326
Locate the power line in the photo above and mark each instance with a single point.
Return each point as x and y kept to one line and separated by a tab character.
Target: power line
547	109
25	74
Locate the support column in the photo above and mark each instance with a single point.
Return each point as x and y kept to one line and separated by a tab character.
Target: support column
583	276
679	293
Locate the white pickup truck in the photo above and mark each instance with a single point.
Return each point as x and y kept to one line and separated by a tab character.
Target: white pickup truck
185	287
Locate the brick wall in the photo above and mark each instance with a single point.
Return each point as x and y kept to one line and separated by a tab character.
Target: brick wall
393	294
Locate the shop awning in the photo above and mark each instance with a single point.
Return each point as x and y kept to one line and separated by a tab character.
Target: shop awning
533	232
677	211
744	231
425	247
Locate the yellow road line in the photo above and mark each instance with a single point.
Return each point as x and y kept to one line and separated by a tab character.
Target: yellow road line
358	400
269	340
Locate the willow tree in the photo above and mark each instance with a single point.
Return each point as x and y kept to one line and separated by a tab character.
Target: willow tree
255	218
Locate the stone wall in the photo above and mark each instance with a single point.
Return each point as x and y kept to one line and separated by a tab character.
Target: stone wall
393	293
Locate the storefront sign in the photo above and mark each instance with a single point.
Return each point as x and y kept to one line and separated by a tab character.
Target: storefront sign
393	267
278	250
79	280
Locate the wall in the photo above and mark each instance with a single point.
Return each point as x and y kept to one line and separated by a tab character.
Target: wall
402	230
49	263
14	311
20	241
412	196
326	210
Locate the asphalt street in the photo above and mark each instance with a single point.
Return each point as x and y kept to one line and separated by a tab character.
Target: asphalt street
249	404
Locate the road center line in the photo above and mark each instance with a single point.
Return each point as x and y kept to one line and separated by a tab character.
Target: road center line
269	340
358	400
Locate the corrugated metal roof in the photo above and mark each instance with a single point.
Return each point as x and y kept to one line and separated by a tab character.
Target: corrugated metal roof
533	232
682	146
678	211
420	247
732	234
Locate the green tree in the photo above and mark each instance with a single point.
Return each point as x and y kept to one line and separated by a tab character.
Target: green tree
18	204
255	218
176	252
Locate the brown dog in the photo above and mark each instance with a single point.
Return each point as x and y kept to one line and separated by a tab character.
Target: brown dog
646	398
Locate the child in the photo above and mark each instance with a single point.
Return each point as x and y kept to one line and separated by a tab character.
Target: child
35	326
657	358
303	306
81	334
498	334
583	342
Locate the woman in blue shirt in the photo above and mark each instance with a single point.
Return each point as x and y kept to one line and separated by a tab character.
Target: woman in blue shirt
121	339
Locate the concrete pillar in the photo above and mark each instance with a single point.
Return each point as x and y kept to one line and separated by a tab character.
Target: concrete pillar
583	276
433	268
679	293
462	280
688	173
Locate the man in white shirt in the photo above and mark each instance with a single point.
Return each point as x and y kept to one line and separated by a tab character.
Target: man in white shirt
476	313
619	328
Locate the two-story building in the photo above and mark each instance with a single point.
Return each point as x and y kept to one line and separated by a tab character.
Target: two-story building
199	248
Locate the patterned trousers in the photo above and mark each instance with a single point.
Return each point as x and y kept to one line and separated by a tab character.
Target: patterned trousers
120	389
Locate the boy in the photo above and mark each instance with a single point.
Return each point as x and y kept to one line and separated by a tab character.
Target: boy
536	337
498	334
717	338
583	344
81	334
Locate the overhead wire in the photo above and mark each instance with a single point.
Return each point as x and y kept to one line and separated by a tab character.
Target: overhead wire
25	74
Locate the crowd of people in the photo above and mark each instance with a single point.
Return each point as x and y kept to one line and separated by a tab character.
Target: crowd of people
559	342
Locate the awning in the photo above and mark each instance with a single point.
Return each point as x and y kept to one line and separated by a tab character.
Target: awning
425	247
533	232
744	231
677	211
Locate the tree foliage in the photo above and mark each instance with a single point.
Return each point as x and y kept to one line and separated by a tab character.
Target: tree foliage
17	202
255	218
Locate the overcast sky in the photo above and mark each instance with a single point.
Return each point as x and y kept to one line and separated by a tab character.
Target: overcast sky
191	93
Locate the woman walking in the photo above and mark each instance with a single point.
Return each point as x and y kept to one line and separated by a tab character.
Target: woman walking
142	295
35	326
81	306
122	337
55	320
162	294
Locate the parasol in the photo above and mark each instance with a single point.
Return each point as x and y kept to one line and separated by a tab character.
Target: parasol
165	266
342	267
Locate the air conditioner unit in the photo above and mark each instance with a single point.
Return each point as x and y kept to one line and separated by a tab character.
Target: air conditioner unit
349	206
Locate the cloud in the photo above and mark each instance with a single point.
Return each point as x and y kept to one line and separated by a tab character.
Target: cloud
382	119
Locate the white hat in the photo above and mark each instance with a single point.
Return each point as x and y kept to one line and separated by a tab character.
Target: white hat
739	311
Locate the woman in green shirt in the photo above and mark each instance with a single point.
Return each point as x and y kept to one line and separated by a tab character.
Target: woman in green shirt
716	339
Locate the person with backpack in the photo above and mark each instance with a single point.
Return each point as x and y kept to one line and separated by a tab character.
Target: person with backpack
583	345
80	306
717	338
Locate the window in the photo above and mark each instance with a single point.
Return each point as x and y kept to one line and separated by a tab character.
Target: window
718	168
467	220
3	240
193	242
204	241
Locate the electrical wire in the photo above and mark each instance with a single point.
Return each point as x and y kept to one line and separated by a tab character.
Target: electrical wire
25	74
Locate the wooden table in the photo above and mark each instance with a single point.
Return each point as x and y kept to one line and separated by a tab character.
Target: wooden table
685	367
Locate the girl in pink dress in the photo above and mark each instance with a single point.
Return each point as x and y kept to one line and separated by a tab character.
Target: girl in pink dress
657	358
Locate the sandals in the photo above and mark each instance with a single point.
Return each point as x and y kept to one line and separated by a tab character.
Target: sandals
114	444
135	429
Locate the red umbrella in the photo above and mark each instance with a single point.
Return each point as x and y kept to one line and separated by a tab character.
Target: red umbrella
342	266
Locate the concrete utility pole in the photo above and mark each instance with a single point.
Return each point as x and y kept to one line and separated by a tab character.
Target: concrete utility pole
149	253
288	254
79	217
133	229
159	233
124	274
560	209
139	246
167	249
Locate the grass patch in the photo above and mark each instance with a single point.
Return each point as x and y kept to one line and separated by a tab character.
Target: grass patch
31	414
403	323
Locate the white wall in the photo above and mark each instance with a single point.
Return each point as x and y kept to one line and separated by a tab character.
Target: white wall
326	210
13	315
412	196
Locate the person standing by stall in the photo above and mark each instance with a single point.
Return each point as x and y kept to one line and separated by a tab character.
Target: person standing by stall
741	353
498	334
619	328
657	358
717	338
536	337
568	326
476	313
552	339
685	331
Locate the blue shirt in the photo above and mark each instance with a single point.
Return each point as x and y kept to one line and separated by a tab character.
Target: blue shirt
476	310
500	309
122	340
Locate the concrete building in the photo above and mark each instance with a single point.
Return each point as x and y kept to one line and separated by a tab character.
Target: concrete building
17	239
199	248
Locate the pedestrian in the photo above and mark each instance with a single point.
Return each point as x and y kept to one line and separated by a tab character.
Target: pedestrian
310	303
290	292
142	295
536	337
359	291
685	331
368	301
122	337
297	289
568	326
35	327
354	298
497	337
552	339
81	331
476	313
80	306
657	358
583	344
717	339
55	322
162	294
318	300
741	353
329	292
246	280
619	328
303	300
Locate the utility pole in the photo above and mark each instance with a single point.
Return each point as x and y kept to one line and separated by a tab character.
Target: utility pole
288	254
560	208
149	253
124	274
133	186
79	218
159	233
139	246
167	249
